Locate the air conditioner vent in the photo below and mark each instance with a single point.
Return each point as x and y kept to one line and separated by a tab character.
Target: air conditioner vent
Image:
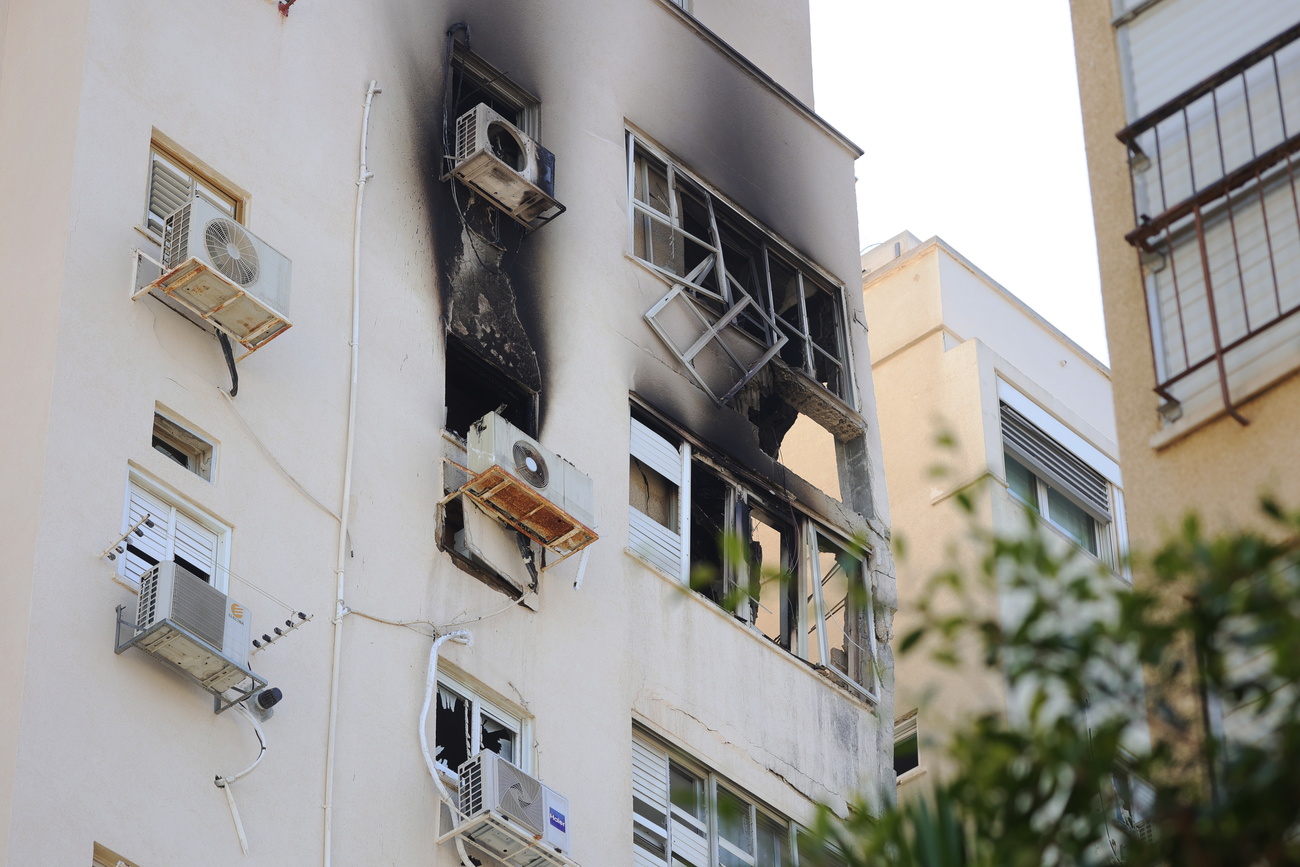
232	251
221	276
510	814
194	628
530	463
528	487
497	159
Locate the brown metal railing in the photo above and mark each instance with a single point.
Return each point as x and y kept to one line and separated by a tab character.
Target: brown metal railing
1221	254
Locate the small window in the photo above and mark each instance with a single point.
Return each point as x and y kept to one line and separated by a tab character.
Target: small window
907	752
191	451
180	532
467	723
173	180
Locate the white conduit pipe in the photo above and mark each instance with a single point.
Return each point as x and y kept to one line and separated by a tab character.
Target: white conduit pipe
461	636
226	783
340	609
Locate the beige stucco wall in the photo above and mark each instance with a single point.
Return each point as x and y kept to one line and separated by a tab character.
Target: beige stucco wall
117	750
945	335
1218	469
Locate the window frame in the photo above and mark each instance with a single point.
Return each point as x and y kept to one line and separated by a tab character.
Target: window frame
736	580
165	525
480	706
497	84
756	309
1107	529
197	177
198	450
709	830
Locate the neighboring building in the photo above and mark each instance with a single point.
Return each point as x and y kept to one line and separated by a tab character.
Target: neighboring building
1029	417
693	298
1191	117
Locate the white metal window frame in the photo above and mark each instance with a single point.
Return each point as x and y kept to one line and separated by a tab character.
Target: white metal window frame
653	544
771	245
1114	539
172	517
687	841
479	707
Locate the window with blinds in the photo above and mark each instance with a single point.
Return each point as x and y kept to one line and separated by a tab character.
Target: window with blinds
1063	489
195	541
683	815
172	181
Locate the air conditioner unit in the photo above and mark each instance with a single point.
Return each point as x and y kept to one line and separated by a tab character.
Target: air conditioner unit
509	814
185	622
496	158
222	276
533	490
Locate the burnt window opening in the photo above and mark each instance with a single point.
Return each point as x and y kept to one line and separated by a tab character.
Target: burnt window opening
475	387
475	81
741	274
753	553
452	541
711	499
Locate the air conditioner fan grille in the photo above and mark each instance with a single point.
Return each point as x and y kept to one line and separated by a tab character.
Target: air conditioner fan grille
232	251
530	464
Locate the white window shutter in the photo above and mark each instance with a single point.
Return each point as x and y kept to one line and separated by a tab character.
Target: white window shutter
649	805
658	544
195	543
154	541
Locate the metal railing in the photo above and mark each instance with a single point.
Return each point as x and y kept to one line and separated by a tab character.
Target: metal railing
1218	216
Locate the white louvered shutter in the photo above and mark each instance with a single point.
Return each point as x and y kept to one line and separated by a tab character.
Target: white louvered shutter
173	535
1057	463
658	544
649	805
169	188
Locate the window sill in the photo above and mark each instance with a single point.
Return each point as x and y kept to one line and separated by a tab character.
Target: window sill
822	673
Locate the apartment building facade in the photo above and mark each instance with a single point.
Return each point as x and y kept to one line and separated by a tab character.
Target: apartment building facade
439	343
1190	117
979	396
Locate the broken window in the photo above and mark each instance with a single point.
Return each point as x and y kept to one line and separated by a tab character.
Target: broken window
684	815
466	723
750	552
475	81
476	387
739	295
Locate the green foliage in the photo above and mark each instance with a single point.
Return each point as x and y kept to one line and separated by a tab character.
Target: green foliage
1212	617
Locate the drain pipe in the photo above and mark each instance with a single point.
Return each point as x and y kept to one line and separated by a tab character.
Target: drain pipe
340	563
460	636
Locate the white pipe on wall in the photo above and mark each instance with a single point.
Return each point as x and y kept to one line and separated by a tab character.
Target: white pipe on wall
340	567
461	636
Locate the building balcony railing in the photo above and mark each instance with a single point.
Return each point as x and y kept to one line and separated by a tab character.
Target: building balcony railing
1218	224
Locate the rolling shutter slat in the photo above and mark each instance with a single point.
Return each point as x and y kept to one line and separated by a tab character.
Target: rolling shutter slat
1054	461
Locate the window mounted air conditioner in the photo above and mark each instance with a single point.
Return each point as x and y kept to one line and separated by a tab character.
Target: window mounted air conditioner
537	492
222	276
511	815
497	159
194	628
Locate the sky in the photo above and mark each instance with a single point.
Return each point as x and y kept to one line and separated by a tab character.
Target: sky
968	113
